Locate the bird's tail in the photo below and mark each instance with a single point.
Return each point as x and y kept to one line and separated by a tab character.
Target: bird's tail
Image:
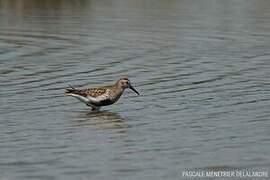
71	89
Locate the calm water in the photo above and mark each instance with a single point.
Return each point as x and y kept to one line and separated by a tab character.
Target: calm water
202	67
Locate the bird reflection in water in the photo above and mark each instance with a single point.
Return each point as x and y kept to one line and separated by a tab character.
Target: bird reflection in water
102	120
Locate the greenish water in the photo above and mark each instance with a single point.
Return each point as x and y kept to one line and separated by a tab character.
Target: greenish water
202	68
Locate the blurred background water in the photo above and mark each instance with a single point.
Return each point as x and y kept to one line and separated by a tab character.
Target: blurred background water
202	68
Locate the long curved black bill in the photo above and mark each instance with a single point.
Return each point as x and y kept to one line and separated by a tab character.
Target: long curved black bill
133	89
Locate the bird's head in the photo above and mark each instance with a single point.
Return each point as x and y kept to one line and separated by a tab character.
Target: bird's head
125	83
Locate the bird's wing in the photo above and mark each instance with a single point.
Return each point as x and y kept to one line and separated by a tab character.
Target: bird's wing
94	92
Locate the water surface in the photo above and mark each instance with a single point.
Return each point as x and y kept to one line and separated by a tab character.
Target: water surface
202	68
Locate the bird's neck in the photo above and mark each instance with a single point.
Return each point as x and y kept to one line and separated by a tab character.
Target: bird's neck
117	92
119	88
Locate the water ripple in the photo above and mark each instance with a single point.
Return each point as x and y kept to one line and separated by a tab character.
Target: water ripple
203	79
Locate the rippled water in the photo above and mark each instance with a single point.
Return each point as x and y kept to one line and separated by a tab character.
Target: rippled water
202	68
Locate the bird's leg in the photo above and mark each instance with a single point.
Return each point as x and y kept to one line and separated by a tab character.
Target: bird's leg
95	108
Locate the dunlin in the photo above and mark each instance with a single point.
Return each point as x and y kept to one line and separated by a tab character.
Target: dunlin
101	96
